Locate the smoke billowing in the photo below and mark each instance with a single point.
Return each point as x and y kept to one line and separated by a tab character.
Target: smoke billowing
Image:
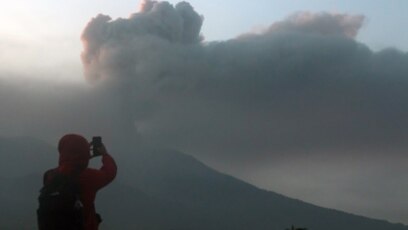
260	104
291	108
301	85
320	23
154	28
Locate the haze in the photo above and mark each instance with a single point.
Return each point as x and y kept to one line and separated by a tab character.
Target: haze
310	103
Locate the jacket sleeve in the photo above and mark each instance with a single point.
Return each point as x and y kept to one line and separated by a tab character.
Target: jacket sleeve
103	176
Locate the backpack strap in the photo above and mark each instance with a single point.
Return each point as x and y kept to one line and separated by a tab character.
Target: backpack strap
54	180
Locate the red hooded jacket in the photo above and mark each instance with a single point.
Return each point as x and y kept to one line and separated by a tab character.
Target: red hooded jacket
74	156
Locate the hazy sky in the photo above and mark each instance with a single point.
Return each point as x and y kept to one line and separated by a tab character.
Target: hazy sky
301	102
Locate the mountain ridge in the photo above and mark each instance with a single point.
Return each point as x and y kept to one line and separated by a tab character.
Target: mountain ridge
167	189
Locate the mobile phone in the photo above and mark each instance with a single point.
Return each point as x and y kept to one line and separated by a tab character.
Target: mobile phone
96	144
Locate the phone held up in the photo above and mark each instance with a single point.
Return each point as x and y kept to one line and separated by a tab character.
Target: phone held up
96	144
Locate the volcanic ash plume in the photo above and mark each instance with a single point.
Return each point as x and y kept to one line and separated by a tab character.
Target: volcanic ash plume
321	23
127	45
303	84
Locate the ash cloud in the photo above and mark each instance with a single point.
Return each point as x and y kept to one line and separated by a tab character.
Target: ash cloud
303	84
261	104
320	23
138	37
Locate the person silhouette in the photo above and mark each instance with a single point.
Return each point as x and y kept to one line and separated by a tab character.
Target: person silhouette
74	155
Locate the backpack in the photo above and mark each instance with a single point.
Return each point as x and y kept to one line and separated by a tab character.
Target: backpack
60	207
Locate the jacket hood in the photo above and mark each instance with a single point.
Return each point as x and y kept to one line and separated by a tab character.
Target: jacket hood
74	152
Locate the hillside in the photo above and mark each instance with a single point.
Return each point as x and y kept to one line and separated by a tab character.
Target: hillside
163	189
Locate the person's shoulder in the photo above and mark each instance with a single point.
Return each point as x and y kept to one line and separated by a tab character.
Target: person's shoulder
93	179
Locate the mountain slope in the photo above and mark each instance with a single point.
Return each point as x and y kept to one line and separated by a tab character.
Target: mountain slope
163	189
218	201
